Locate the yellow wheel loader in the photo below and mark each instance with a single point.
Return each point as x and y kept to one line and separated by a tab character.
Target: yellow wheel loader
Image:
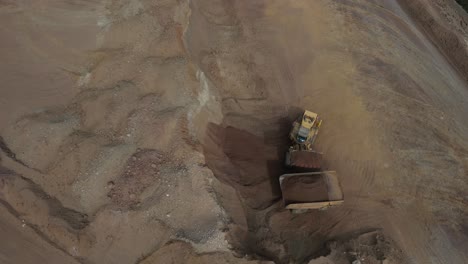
305	129
307	186
303	133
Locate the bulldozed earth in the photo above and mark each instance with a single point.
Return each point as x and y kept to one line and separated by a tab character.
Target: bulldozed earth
155	131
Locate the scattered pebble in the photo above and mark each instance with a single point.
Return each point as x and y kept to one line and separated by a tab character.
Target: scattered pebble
110	184
153	166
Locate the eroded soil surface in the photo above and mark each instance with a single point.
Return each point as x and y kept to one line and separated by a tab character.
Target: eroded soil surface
155	131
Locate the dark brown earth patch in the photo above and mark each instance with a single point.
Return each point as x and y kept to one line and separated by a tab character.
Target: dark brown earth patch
142	170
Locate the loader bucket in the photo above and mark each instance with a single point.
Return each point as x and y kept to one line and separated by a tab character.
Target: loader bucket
304	159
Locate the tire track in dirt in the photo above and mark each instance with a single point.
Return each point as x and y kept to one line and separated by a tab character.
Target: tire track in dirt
57	210
9	153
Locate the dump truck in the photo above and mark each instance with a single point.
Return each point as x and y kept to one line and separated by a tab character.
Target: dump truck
306	186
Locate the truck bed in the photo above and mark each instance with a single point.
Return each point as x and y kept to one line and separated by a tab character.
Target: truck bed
311	190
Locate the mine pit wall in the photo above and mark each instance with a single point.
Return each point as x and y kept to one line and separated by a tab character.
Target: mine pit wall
428	94
235	102
408	78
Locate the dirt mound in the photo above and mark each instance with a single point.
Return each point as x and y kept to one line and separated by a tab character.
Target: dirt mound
305	189
369	247
142	169
185	254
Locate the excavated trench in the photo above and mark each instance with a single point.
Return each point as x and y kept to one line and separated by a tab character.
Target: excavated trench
281	69
246	148
256	88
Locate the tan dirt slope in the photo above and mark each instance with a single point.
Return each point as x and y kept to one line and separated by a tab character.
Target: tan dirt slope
154	131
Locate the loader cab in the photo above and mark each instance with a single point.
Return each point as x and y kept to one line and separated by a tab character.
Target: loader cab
303	134
307	123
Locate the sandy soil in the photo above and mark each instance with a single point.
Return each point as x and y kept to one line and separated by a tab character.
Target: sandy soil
154	131
45	49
